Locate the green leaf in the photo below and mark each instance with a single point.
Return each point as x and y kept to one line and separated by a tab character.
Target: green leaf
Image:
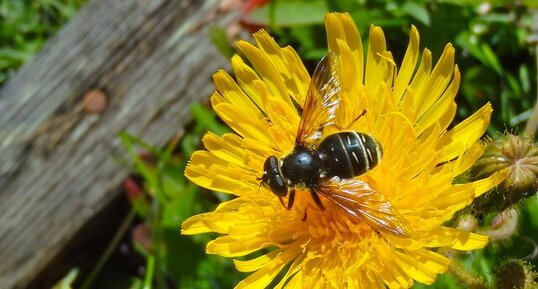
462	2
219	38
418	12
490	58
514	85
129	142
15	54
136	283
67	281
315	54
520	118
282	14
497	17
469	43
532	209
530	3
524	78
206	119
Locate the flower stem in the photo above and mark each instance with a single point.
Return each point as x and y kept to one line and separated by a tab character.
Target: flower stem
466	278
532	123
116	239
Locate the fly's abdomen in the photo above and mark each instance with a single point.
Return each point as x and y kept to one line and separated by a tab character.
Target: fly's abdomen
349	154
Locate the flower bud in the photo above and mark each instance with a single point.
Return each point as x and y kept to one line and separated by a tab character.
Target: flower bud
515	274
132	189
467	223
138	199
518	154
503	226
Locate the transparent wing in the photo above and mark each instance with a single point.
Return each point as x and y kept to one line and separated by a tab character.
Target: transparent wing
321	101
362	203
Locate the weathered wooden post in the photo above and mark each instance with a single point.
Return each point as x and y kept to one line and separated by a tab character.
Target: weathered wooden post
151	59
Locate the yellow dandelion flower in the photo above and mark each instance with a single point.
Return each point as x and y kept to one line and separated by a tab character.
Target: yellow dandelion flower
407	110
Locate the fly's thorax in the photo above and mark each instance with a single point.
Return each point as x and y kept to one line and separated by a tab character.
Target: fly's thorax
303	165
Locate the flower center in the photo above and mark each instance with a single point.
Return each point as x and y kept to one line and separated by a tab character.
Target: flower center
330	223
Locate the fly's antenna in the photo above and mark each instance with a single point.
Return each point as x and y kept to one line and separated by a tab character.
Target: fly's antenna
364	111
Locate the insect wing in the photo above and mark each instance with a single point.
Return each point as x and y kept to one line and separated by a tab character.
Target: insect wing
322	99
361	202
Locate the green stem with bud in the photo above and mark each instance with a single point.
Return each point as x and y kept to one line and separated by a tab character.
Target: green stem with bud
532	123
466	278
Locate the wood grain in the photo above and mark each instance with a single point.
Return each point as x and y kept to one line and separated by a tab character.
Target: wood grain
57	163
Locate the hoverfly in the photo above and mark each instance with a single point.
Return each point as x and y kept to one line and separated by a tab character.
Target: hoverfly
327	166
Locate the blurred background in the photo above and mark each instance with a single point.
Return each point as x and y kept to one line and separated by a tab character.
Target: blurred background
130	237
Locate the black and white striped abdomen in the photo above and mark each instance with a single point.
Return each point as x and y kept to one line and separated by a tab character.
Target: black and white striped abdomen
349	154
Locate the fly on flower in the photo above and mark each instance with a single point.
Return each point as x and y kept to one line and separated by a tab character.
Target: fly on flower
327	167
356	241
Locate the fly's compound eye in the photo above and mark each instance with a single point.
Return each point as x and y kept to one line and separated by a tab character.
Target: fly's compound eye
273	178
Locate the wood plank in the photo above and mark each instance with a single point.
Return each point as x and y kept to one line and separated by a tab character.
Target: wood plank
57	168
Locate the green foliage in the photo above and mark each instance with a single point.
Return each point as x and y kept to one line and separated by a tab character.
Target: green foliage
220	40
26	25
291	13
174	258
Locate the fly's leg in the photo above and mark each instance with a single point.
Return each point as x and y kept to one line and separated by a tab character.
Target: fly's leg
282	202
291	199
305	214
315	196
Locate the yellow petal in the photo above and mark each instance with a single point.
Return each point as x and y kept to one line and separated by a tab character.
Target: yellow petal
461	195
227	148
455	239
288	279
265	67
207	170
437	111
287	63
298	85
462	136
435	84
284	119
265	275
464	162
408	66
194	225
229	246
354	100
260	279
393	275
245	76
230	217
256	263
448	115
243	123
423	73
232	93
341	28
422	265
378	68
